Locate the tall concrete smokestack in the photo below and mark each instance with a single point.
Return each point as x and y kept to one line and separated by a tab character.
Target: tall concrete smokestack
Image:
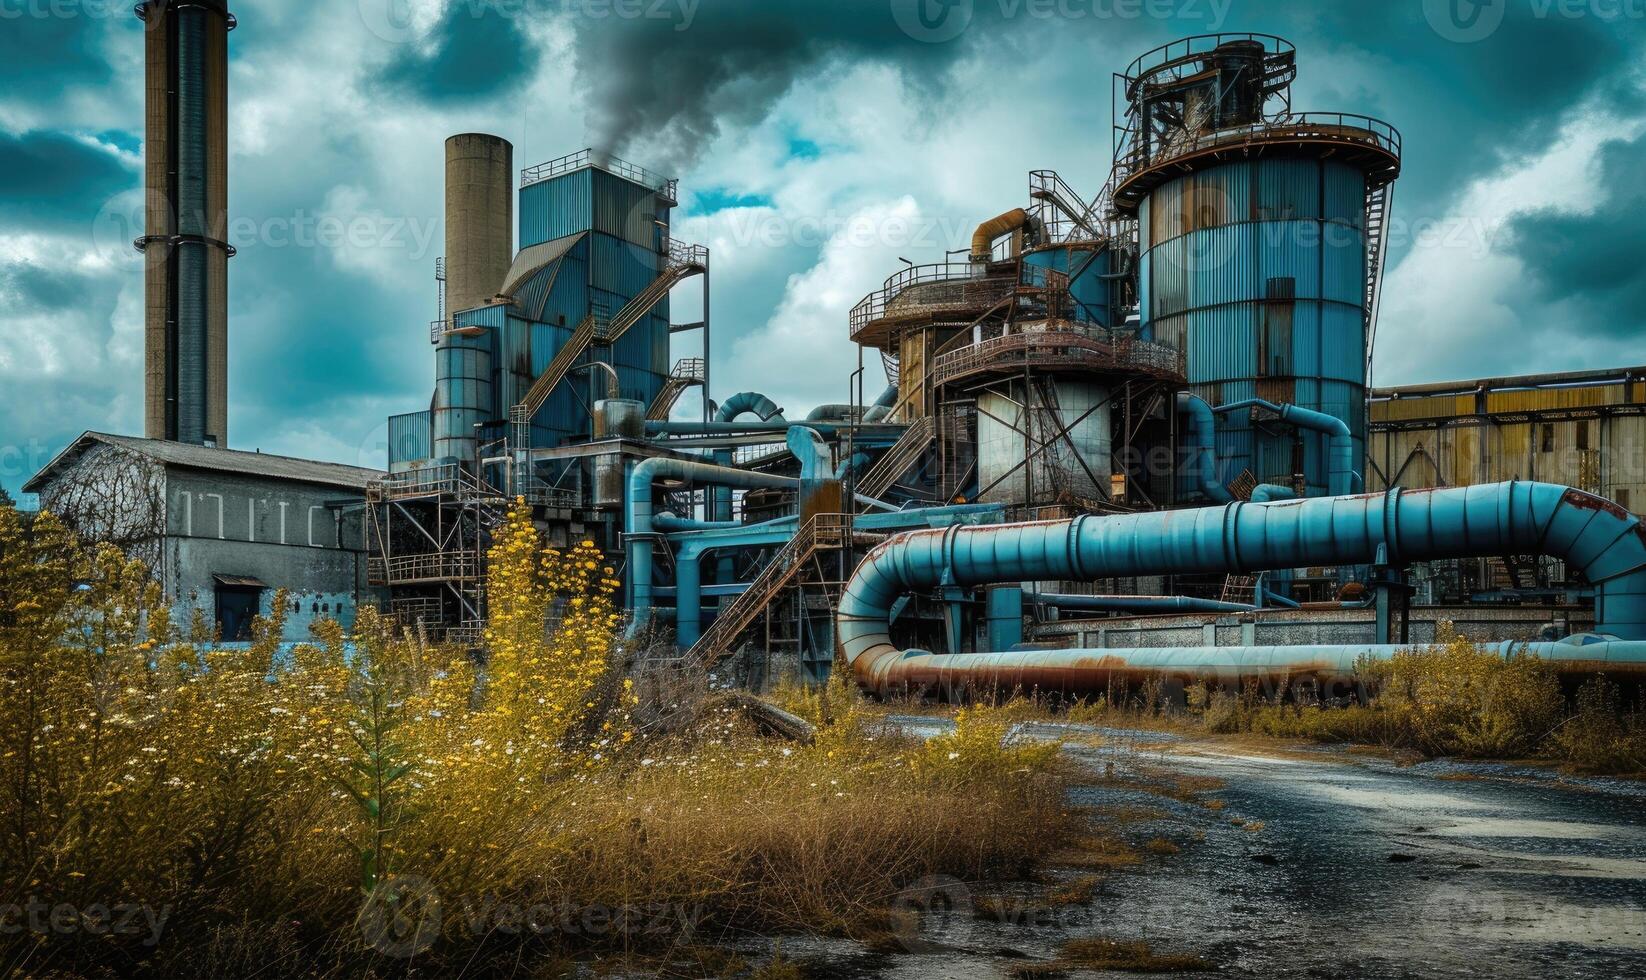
479	218
479	250
185	247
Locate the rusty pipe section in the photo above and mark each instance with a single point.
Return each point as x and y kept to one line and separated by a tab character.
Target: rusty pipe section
1593	535
1096	671
983	239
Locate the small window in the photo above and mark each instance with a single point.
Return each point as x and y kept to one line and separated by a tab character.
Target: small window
1548	437
1583	435
325	607
1621	494
315	608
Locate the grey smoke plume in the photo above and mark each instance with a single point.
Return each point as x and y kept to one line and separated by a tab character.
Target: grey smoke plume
673	81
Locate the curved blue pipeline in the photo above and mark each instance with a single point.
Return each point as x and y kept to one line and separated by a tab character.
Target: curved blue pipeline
638	517
1595	537
749	403
742	403
1202	444
1342	477
1265	493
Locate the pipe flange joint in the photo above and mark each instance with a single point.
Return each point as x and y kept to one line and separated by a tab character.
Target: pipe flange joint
1072	546
1391	528
947	552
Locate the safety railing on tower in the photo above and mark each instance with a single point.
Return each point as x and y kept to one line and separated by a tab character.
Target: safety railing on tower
667	188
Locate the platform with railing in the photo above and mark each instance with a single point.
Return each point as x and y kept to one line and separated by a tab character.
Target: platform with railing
943	289
667	188
1069	347
1364	141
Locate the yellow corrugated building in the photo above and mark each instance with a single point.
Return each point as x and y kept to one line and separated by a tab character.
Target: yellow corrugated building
1583	429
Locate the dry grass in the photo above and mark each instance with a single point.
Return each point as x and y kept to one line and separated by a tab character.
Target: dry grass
1162	847
256	801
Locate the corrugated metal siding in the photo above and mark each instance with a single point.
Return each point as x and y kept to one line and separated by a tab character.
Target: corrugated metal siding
411	438
556	207
1257	270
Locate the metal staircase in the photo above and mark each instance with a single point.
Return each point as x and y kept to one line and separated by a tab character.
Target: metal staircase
683	262
1378	202
687	372
824	532
897	460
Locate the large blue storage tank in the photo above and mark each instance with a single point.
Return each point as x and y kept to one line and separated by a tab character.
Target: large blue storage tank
1086	268
1256	269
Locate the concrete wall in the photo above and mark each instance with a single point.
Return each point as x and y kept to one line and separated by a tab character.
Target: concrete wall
288	535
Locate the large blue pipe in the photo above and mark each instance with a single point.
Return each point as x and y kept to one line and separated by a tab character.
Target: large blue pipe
1342	478
1201	441
1594	536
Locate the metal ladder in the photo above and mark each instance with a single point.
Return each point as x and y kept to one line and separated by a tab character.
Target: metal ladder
897	460
1378	203
822	532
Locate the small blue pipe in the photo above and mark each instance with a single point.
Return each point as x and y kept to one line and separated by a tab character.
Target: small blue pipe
1202	443
1341	462
638	519
1265	493
883	405
1141	603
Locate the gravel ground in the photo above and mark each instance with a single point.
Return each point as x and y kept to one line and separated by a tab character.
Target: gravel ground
1318	864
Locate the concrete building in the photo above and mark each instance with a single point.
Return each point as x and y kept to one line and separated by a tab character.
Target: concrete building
223	530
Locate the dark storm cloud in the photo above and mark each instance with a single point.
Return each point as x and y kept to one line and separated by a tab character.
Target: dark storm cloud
478	49
1596	261
53	178
676	81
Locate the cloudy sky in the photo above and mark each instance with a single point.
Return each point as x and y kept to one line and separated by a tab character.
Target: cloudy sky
817	143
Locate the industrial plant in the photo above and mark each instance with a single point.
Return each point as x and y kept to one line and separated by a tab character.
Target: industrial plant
1129	433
